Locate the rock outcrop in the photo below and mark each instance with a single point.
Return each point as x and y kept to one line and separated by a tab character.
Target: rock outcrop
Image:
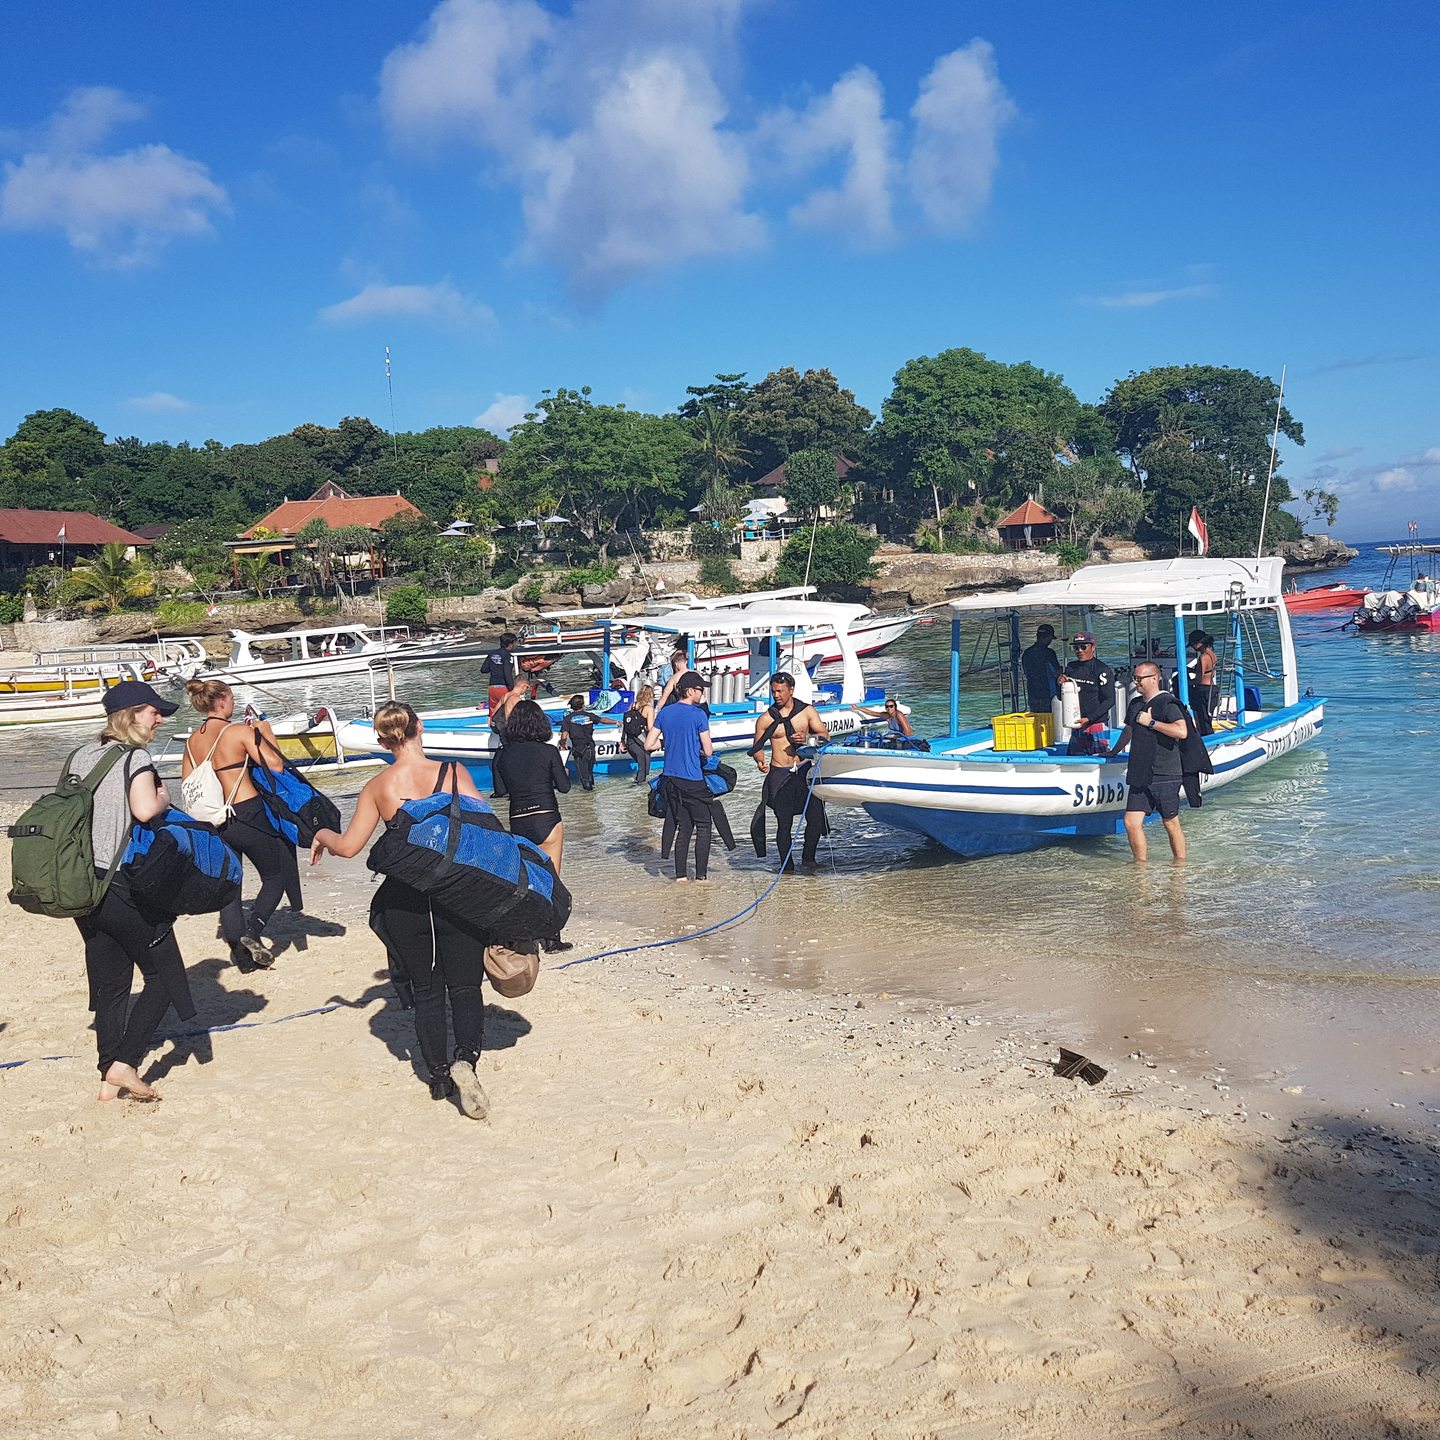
1315	552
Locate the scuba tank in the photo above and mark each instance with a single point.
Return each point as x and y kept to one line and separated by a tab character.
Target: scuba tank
1068	704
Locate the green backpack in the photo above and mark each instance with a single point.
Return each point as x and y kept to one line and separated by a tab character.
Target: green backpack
52	857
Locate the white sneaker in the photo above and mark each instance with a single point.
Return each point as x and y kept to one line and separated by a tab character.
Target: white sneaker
469	1091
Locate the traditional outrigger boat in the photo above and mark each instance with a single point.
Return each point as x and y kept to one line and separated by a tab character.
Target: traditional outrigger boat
81	696
996	790
628	655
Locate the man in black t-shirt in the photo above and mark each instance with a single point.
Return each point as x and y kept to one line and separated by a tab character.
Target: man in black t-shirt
1096	683
1155	726
1041	666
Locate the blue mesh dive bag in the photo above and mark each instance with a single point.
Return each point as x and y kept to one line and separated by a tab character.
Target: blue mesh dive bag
177	865
453	848
295	808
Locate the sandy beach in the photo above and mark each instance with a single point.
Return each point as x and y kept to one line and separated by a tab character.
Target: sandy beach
701	1206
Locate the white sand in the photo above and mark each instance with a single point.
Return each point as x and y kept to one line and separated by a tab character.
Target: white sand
693	1212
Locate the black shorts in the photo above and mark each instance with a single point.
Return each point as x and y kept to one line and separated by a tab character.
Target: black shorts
1161	795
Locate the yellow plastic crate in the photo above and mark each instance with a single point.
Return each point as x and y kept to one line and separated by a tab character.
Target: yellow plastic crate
1024	730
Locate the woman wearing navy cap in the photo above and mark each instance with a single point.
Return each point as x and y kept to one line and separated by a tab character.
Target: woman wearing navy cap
120	936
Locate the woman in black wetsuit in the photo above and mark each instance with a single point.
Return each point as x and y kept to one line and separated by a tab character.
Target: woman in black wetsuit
232	748
530	771
439	955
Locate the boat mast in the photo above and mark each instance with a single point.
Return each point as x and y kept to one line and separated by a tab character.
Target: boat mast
1270	473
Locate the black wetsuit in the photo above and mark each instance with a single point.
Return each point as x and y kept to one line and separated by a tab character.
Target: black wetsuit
633	730
786	792
533	774
432	956
578	727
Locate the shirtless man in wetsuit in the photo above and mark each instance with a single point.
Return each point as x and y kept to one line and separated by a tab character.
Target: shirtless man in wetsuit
786	726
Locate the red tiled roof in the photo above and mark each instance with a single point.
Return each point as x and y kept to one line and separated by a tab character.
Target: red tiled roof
1028	514
42	527
777	476
369	510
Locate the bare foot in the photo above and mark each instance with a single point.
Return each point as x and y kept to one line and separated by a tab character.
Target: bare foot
124	1080
682	879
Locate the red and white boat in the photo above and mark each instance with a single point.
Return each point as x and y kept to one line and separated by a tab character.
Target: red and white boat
1416	606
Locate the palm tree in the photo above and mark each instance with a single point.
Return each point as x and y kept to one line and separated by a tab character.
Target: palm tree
107	580
716	440
256	572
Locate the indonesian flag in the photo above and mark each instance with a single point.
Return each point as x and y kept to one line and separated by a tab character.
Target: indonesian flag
1197	528
61	535
213	611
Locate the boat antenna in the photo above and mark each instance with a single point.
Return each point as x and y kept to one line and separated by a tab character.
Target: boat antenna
390	386
810	554
1270	473
640	566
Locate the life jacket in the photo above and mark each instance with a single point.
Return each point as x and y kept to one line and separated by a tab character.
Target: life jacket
453	848
295	808
178	865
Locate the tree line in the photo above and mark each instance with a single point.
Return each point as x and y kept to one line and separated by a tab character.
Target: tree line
960	439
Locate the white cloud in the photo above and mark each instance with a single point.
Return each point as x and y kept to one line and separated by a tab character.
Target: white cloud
504	413
1424	458
1341	452
158	402
1394	481
958	119
440	303
649	182
1144	299
119	209
849	121
612	122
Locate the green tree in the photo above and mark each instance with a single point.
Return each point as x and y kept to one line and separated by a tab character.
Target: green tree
842	555
1093	498
63	435
789	411
959	426
109	578
257	573
406	605
1319	505
812	482
197	546
724	393
716	443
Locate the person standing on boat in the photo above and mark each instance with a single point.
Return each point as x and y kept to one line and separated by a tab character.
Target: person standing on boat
784	727
1201	667
1096	683
679	665
231	749
500	667
1155	727
1042	667
684	730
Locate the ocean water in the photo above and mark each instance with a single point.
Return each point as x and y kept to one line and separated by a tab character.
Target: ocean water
1299	943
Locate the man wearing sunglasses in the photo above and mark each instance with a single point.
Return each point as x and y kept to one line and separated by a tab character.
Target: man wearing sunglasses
1096	684
1155	726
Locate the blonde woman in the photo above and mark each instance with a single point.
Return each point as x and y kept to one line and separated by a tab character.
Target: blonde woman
437	954
232	748
120	936
634	727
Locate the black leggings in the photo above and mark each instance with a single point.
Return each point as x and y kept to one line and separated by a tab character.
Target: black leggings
636	750
273	857
439	958
120	939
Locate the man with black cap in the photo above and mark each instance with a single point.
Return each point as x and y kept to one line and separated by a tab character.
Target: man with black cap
1096	684
1041	665
684	730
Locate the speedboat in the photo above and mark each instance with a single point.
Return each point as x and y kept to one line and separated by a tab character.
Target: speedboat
1325	597
331	650
1011	786
1398	605
632	654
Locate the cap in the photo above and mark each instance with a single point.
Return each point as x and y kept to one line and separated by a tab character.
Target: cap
1083	638
129	693
1047	630
690	680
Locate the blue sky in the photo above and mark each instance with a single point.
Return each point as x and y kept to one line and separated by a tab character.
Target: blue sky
213	219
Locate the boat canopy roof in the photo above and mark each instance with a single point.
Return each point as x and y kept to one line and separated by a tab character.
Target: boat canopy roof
757	597
580	612
1189	585
761	619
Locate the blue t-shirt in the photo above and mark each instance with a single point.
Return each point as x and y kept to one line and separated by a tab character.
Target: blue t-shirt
681	726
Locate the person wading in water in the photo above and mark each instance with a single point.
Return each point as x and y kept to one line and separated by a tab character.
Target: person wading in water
785	726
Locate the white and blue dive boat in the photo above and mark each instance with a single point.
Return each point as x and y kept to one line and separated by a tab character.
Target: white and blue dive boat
631	653
980	798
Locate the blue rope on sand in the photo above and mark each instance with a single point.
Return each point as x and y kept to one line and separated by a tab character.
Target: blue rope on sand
189	1034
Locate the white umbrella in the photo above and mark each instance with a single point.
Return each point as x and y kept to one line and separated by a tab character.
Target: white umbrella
527	524
556	520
